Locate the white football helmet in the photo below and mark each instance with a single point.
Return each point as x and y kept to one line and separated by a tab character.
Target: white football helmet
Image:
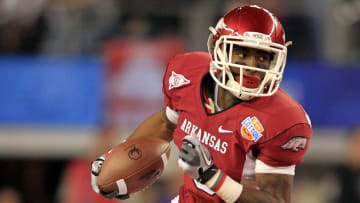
252	27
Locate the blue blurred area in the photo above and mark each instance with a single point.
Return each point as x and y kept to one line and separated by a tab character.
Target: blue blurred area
329	93
63	91
51	91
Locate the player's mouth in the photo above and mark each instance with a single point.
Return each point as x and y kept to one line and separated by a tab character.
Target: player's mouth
249	81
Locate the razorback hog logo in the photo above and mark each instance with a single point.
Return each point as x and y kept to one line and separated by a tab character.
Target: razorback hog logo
177	80
135	153
295	144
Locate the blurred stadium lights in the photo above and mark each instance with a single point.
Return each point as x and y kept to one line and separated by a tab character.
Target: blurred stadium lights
347	13
23	12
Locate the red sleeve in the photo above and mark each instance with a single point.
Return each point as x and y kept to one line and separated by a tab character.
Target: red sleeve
182	74
170	97
167	97
287	148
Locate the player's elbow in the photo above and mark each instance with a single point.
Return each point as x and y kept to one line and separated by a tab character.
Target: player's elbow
166	128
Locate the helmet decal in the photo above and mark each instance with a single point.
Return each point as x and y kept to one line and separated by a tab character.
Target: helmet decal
271	15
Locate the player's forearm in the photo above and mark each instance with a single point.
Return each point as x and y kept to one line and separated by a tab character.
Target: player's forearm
156	125
273	188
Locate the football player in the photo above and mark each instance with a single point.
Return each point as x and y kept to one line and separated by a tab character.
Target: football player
228	116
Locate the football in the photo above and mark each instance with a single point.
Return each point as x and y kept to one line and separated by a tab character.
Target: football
133	165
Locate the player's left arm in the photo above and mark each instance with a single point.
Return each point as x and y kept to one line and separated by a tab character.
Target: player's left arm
275	188
275	164
196	160
275	168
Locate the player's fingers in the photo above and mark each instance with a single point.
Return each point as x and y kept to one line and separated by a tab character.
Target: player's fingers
96	167
183	155
191	139
183	165
191	170
189	155
94	183
187	148
109	195
122	197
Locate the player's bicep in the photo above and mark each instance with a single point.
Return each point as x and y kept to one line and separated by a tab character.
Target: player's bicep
156	125
278	185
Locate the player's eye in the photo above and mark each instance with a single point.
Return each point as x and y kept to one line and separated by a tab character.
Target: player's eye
264	58
241	54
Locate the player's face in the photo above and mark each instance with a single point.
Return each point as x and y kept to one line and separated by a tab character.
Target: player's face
250	57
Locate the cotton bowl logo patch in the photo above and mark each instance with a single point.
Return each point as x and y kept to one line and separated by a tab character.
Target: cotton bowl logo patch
177	80
295	144
251	129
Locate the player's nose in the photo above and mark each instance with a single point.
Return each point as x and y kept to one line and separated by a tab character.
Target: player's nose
251	61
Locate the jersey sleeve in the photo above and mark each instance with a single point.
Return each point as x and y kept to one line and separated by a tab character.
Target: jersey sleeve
182	73
169	97
286	148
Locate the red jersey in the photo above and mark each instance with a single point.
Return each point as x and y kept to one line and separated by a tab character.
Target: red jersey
276	128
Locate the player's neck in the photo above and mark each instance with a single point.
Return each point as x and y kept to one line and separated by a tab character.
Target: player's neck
224	99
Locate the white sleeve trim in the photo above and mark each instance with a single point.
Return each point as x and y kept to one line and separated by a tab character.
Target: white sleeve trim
261	167
172	115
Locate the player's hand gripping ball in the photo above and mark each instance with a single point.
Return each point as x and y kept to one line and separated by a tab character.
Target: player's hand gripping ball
130	167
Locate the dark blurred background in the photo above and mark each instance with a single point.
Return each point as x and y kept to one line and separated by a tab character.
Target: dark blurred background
77	76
